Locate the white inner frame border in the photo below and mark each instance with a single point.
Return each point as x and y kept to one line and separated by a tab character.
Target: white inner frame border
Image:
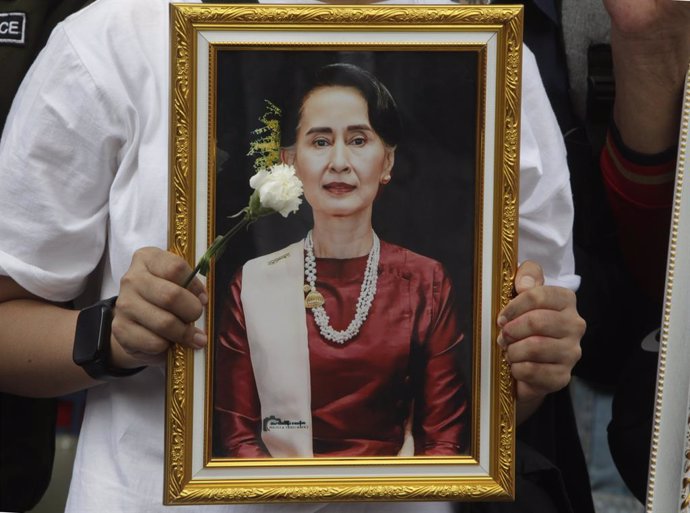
488	39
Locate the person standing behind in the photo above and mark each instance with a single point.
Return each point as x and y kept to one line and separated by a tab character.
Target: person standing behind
82	166
623	202
27	425
650	41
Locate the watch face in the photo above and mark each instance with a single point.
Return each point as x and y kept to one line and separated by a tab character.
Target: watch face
93	334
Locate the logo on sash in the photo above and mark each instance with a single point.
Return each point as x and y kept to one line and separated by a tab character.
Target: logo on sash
274	423
12	28
279	258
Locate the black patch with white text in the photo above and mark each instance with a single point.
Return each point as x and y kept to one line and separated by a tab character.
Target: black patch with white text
12	28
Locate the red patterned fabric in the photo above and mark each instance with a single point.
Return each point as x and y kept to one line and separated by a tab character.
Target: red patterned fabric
640	196
406	357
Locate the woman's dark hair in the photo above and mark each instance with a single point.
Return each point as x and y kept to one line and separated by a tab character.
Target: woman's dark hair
382	110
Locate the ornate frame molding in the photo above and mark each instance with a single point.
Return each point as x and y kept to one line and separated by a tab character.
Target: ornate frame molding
426	478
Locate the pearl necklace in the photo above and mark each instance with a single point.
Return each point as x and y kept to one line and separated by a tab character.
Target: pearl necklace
315	301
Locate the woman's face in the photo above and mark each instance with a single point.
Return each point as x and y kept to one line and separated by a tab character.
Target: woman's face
337	155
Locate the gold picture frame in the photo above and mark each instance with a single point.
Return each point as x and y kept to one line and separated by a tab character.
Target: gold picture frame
219	49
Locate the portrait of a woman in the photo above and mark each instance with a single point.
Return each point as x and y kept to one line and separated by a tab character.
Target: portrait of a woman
340	344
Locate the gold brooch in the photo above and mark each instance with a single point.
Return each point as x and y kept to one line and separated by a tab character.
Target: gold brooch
313	299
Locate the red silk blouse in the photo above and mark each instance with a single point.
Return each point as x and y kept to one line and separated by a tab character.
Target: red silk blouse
404	361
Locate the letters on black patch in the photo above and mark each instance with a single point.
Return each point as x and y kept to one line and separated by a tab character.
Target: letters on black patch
12	28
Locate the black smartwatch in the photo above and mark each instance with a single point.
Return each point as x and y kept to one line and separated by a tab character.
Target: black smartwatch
92	342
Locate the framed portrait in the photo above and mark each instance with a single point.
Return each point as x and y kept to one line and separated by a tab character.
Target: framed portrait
669	469
388	385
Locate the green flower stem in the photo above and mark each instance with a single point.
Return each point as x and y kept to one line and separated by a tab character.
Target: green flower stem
216	249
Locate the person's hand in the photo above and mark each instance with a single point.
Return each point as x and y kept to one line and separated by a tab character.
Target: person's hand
154	311
540	331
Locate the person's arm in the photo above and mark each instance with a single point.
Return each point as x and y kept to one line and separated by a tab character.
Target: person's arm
152	312
540	331
650	43
36	341
236	402
541	328
59	155
440	404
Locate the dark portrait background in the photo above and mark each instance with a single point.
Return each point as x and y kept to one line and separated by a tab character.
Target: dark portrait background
428	207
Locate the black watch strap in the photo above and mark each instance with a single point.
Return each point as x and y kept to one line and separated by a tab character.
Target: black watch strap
92	351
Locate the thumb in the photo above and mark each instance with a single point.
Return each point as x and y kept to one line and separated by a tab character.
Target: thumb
529	275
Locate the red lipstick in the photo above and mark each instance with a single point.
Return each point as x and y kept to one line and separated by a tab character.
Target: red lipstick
339	187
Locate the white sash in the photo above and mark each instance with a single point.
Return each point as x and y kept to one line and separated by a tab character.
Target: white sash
275	316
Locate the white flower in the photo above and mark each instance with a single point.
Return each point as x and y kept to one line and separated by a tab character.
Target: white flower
279	188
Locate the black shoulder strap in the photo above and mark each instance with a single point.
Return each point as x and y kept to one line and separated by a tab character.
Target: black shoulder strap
600	93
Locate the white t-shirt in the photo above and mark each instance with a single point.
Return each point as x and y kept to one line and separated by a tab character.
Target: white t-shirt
84	174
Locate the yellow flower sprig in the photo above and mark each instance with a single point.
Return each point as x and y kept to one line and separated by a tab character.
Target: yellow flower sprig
276	187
